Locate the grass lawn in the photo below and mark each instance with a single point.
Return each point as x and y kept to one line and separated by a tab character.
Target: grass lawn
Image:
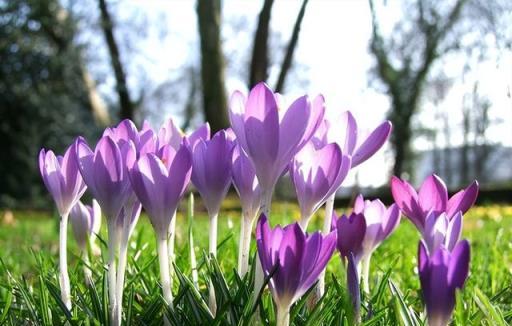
29	284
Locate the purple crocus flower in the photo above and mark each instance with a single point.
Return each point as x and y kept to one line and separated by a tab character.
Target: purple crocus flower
380	222
105	173
170	134
316	174
85	223
271	136
351	231
294	260
160	184
441	274
441	231
344	131
64	182
62	178
432	197
211	173
248	189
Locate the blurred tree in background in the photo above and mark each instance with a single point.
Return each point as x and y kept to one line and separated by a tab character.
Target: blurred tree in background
45	98
428	31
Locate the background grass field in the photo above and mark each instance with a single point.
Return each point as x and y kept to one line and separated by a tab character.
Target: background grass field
29	287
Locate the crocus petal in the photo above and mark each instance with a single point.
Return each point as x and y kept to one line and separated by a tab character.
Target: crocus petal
407	199
203	132
454	231
458	268
433	194
372	144
463	200
237	104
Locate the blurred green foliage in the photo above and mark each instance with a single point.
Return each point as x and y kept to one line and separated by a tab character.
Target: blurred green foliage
43	98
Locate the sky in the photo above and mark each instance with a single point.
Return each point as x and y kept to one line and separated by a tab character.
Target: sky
333	57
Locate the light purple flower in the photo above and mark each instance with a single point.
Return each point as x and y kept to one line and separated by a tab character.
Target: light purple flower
170	134
105	172
351	231
211	173
344	131
85	222
432	197
295	258
245	182
441	231
160	184
441	274
380	222
144	141
316	174
269	134
62	178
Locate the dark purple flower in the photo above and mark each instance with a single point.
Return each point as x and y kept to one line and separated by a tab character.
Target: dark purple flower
351	231
105	172
160	184
316	174
211	173
432	197
62	178
441	274
269	134
353	286
295	258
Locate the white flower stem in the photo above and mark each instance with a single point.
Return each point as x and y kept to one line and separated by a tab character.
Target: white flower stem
65	288
365	273
244	247
165	279
121	269
86	267
329	208
193	260
283	316
171	241
112	248
212	249
212	304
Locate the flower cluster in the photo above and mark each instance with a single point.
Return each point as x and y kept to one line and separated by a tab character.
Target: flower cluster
443	259
130	169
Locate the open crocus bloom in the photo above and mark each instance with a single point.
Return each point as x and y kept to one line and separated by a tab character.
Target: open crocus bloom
293	258
432	197
62	178
269	134
316	174
380	222
343	130
441	231
441	274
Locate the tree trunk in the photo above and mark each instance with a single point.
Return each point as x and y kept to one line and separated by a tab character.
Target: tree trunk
288	58
259	61
212	64
127	107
